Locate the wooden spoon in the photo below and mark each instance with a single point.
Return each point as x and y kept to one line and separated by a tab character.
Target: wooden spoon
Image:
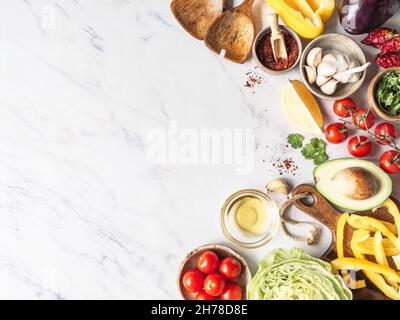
234	31
196	16
277	38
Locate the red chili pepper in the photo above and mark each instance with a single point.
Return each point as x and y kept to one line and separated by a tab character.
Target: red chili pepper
392	45
388	59
378	37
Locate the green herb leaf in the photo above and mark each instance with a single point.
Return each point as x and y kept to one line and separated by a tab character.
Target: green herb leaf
315	150
295	140
387	93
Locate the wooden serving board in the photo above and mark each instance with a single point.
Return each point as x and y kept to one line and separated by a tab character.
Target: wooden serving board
322	211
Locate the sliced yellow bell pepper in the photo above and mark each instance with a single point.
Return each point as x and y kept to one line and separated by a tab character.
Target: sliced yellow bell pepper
364	265
381	284
305	17
361	222
376	278
374	225
381	257
393	211
323	7
367	247
340	234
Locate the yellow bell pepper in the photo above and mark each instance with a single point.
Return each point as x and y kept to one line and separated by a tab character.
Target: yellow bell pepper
361	222
377	279
393	211
380	256
373	225
356	264
367	247
340	234
305	17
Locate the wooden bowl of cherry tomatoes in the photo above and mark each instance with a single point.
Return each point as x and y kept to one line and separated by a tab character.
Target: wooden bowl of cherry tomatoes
213	272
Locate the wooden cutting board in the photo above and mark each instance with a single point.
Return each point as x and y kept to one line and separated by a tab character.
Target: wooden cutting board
322	211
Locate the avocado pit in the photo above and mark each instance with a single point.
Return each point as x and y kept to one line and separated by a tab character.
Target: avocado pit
355	183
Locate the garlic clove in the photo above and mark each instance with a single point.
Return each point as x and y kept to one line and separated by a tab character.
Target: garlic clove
355	77
311	74
314	57
343	62
353	64
330	87
321	80
326	69
279	186
342	77
330	58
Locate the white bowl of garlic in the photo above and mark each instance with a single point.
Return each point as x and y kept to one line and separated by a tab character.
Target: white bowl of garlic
333	66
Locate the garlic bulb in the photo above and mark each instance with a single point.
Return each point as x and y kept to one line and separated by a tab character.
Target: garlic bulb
332	69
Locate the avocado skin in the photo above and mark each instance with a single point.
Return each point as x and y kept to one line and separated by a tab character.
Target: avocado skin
324	172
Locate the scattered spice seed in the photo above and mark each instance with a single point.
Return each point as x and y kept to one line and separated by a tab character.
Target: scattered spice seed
253	79
286	166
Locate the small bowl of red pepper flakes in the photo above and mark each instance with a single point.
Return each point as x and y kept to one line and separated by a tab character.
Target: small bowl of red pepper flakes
264	57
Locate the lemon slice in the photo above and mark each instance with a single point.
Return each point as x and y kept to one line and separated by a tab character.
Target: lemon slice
302	108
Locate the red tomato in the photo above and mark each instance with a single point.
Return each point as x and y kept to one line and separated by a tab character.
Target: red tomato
390	161
230	268
214	284
344	108
193	280
232	291
202	295
336	133
385	133
359	146
208	262
364	119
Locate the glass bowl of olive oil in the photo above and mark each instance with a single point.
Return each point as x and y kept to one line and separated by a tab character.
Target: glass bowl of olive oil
249	218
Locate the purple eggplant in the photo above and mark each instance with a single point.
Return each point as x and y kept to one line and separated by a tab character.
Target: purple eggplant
362	16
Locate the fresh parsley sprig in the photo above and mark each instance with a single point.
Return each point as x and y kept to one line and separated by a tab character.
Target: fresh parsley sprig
314	150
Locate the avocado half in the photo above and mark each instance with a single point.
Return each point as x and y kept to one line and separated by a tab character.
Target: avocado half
326	177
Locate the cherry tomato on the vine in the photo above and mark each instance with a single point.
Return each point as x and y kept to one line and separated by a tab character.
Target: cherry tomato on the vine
193	280
364	119
208	262
344	108
359	146
214	284
230	268
385	133
390	161
202	295
232	291
336	133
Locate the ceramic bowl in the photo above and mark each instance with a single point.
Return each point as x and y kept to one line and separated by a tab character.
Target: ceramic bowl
371	96
222	251
259	37
334	43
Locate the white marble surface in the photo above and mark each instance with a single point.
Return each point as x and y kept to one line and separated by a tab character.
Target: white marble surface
83	213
